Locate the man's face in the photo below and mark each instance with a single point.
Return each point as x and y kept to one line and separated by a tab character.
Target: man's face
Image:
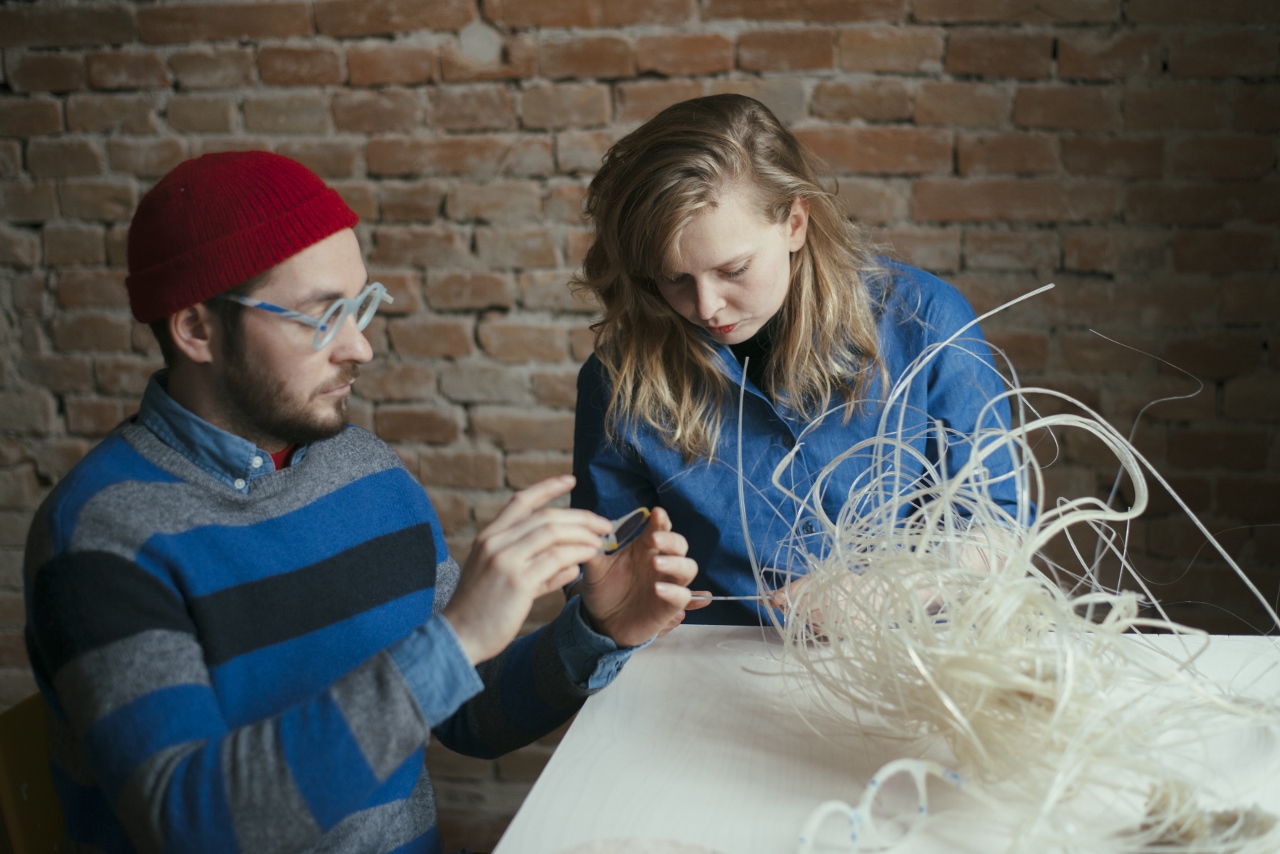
277	389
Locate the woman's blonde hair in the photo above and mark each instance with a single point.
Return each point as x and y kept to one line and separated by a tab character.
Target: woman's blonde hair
652	184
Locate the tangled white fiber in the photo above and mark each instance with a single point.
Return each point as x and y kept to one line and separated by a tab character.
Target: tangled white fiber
933	618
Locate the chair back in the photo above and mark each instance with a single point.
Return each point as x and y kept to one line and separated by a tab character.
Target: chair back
28	801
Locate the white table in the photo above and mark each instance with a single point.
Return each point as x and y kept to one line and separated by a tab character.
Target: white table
698	740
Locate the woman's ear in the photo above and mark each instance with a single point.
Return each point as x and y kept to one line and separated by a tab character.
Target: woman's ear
192	331
797	224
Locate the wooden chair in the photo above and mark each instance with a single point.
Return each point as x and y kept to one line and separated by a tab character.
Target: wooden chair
28	801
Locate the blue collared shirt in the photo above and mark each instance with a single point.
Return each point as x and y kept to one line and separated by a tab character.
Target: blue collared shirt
591	659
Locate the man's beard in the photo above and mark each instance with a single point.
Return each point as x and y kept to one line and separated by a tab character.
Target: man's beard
262	411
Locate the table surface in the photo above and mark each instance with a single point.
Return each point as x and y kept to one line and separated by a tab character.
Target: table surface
699	740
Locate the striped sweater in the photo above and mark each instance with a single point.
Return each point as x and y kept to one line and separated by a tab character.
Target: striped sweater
257	666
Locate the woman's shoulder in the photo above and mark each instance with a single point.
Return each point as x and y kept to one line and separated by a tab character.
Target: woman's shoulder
911	294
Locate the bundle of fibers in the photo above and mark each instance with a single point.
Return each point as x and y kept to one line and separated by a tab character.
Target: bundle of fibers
932	618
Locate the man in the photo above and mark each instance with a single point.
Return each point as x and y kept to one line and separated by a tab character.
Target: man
241	609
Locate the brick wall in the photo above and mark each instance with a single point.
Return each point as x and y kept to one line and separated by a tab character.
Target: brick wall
1124	149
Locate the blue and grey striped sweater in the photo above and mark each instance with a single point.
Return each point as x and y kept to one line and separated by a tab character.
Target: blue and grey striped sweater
259	669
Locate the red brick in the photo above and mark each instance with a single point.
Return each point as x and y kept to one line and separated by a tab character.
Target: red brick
417	422
380	111
29	295
216	144
577	243
382	380
127	70
390	63
58	374
670	12
453	512
145	158
964	104
379	17
1114	157
643	100
1027	351
524	470
286	113
483	382
1232	449
1056	12
25	117
524	429
565	105
24	202
1221	356
1252	398
516	248
27	412
1095	56
328	158
360	196
1108	251
68	245
109	200
1223	251
1026	200
90	331
66	26
548	290
1252	498
1181	107
1258	108
684	53
44	72
556	388
1067	108
1010	250
471	108
581	151
906	50
10	158
823	11
808	49
517	342
467	468
785	97
419	201
18	491
201	113
92	289
205	68
565	201
1006	154
872	100
601	57
933	249
1248	300
288	65
498	201
897	151
871	201
419	246
132	114
405	287
1230	54
477	157
517	59
1196	11
18	247
523	14
458	290
1160	204
197	22
1225	158
431	336
999	53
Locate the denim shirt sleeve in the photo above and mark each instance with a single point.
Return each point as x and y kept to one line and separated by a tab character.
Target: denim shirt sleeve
591	659
436	668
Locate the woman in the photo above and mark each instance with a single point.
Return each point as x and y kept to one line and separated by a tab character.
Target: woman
716	246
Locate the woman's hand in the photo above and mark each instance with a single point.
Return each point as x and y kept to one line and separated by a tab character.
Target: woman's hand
641	590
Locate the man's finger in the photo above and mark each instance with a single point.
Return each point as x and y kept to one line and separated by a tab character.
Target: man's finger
530	499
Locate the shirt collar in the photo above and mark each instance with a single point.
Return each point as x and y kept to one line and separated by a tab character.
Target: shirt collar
235	461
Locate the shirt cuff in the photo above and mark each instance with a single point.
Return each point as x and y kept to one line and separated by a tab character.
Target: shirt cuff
591	659
437	670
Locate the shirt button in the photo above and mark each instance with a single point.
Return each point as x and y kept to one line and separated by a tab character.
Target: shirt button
789	440
809	527
239	484
256	462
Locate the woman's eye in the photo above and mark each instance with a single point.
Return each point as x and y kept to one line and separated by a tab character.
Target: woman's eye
733	274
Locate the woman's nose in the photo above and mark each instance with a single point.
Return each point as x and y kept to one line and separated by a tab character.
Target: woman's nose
709	300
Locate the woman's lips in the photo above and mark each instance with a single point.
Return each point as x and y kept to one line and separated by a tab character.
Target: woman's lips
722	330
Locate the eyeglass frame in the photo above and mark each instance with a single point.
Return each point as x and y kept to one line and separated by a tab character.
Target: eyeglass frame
325	328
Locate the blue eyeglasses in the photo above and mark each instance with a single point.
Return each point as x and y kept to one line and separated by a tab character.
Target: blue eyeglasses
363	306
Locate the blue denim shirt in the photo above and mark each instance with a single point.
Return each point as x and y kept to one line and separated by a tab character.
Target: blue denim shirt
591	659
702	496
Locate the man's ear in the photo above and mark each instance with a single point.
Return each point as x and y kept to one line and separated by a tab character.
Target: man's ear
193	331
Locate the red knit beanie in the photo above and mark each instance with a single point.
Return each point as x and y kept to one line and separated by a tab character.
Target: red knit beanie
219	220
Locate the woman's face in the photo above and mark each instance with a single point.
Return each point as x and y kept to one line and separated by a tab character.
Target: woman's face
735	266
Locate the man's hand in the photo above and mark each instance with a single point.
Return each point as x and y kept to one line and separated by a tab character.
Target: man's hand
527	551
643	589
